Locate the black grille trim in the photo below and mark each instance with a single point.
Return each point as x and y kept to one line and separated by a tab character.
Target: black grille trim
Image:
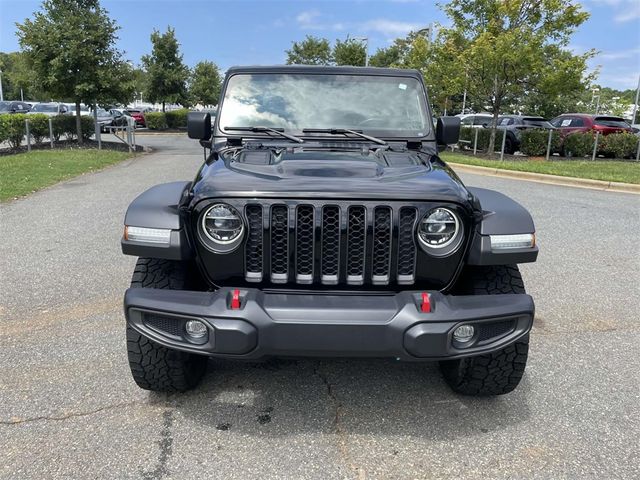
356	244
279	244
407	246
305	243
254	262
330	245
381	255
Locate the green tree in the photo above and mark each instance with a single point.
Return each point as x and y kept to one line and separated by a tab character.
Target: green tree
350	52
167	75
501	45
19	78
205	85
386	57
310	51
70	44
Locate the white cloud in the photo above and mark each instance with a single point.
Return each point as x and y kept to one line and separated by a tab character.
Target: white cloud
389	27
620	54
307	17
623	10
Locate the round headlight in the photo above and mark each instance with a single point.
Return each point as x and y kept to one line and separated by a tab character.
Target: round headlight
222	227
440	231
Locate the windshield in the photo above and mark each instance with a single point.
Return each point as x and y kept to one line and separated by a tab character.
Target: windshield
4	106
381	105
45	107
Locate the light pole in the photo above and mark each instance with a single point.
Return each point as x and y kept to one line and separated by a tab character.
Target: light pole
635	104
598	103
1	94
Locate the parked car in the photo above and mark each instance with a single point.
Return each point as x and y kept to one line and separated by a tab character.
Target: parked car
104	118
120	118
138	116
14	107
475	120
319	227
50	109
84	109
514	126
581	122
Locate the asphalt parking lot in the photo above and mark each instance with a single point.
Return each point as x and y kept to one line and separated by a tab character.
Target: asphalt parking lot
69	409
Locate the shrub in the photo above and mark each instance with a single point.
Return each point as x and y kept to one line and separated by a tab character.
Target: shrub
38	127
533	142
177	118
619	145
155	120
87	126
13	128
4	127
59	123
579	144
468	134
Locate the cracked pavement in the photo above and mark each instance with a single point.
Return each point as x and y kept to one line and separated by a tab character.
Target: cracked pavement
69	409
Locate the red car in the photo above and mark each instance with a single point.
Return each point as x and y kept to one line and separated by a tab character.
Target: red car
138	116
581	122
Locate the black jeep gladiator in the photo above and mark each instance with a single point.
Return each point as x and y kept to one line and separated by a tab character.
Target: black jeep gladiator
323	223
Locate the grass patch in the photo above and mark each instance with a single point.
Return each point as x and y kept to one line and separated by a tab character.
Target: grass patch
607	170
24	173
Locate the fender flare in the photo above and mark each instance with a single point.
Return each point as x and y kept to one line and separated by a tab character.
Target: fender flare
158	207
501	215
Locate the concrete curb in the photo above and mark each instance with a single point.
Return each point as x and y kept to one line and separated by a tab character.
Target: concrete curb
550	179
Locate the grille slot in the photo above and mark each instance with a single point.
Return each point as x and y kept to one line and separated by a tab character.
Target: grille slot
381	246
492	330
307	242
279	244
330	244
253	252
162	324
356	244
406	246
304	244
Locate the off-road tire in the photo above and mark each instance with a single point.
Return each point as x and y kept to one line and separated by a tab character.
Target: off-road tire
498	372
153	366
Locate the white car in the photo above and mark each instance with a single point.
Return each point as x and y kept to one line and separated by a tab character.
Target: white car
50	109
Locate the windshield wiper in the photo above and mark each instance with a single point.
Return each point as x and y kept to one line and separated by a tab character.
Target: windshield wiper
278	131
345	131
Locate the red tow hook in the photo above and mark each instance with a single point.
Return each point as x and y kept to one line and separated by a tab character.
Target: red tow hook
425	306
235	300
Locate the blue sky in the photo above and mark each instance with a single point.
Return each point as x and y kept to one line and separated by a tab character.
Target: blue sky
245	32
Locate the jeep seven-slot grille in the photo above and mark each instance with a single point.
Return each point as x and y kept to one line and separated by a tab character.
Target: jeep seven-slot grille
330	244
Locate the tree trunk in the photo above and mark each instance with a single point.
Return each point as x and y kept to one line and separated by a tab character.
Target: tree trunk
163	107
494	129
496	111
78	123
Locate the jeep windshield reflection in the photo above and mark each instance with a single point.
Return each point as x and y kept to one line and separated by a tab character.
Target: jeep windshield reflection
385	106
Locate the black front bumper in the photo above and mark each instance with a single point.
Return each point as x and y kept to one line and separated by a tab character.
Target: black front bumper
329	325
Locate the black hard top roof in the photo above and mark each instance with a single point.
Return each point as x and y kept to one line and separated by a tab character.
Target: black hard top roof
328	70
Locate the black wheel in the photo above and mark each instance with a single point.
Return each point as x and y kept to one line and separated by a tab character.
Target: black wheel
509	146
494	373
153	366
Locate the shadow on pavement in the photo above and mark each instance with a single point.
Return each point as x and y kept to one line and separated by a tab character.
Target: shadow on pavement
345	397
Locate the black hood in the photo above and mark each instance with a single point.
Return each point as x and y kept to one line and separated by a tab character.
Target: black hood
306	172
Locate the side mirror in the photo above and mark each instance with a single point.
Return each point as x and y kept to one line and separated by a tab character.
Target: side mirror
448	130
199	125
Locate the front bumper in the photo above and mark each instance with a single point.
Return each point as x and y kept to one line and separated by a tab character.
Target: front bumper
329	325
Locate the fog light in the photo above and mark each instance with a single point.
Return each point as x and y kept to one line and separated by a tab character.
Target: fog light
464	333
196	329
